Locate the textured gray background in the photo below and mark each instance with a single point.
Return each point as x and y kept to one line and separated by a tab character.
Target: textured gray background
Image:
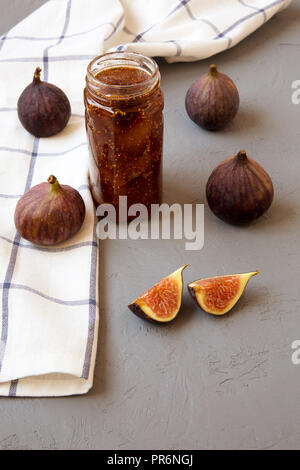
201	382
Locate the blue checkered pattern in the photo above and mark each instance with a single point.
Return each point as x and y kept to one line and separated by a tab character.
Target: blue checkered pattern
12	245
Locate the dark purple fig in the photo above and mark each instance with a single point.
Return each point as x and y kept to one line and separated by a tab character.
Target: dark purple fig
239	190
213	100
43	108
49	213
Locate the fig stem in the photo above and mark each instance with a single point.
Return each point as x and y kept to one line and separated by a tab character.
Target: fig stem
242	155
52	179
54	184
213	70
37	75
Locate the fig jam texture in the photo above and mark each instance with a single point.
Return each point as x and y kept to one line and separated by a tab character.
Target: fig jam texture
125	135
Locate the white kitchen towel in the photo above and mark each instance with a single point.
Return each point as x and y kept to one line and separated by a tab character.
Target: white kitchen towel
49	314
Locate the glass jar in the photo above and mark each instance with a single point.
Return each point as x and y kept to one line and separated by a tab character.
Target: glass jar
124	124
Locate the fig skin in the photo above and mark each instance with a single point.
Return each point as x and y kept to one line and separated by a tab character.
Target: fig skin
213	100
138	311
49	213
43	109
239	190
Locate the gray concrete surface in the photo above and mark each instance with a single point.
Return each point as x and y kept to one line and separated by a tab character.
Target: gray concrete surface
201	382
13	11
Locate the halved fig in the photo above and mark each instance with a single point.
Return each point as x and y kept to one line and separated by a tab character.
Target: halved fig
217	295
161	303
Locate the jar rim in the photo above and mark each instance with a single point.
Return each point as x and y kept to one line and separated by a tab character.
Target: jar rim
123	59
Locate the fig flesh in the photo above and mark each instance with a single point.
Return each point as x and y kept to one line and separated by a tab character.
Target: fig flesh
49	213
43	108
213	100
161	303
239	190
218	295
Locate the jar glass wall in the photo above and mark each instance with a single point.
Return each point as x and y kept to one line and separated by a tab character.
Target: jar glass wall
124	124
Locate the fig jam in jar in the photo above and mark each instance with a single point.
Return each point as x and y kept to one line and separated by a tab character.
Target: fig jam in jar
124	124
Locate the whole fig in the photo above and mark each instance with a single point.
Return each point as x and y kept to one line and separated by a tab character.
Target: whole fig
43	108
49	213
239	190
213	100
